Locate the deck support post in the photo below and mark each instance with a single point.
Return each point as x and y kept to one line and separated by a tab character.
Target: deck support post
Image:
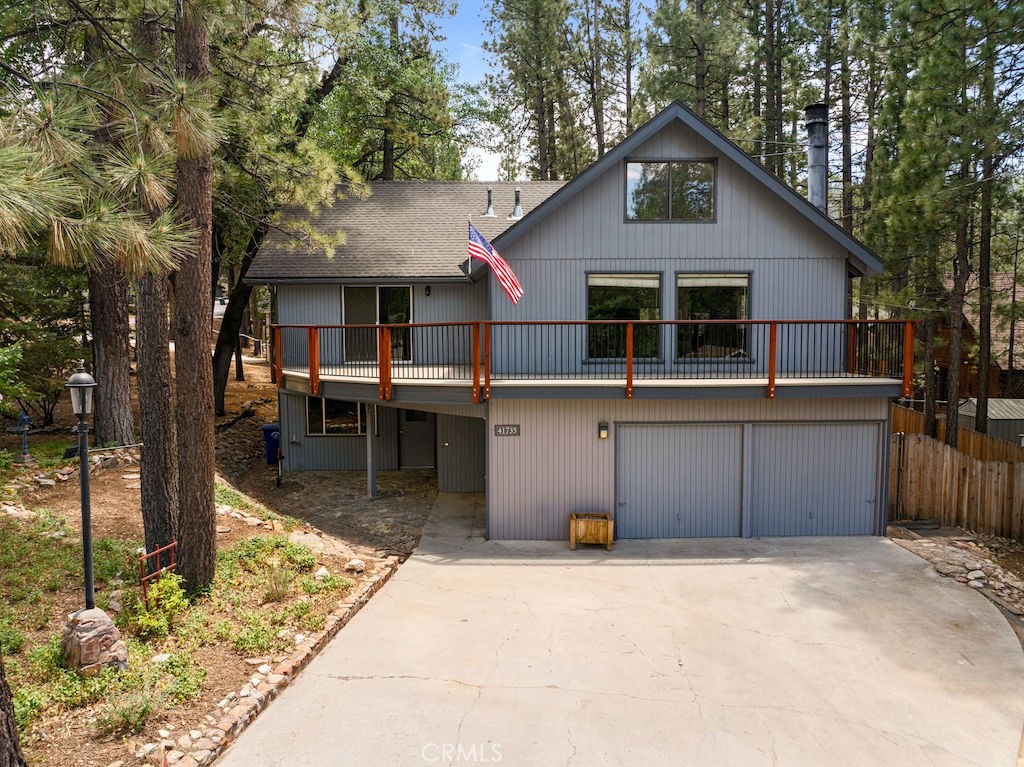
487	360
313	347
371	451
277	364
476	363
772	346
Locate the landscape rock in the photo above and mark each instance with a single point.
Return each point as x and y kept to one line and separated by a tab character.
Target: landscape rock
355	566
91	641
161	658
321	573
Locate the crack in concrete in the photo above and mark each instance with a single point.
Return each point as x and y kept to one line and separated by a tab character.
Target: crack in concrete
473	685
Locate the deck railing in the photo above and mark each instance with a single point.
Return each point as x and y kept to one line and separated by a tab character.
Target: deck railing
480	353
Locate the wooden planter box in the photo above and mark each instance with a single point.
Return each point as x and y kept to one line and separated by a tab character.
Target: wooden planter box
591	528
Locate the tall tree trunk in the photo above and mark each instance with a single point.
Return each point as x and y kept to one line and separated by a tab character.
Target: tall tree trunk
10	753
846	127
158	466
956	323
596	78
108	305
541	120
931	385
193	372
985	245
701	64
628	61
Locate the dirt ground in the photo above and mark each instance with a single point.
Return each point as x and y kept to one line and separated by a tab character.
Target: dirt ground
341	523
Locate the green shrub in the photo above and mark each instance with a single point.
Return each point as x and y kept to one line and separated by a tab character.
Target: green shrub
255	554
127	713
11	639
278	584
47	659
29	700
73	690
6	459
186	678
167	600
257	636
327	583
302	609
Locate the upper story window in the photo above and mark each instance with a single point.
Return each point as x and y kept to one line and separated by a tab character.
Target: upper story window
623	297
677	190
712	297
332	416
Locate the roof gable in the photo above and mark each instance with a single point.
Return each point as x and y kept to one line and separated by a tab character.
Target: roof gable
861	257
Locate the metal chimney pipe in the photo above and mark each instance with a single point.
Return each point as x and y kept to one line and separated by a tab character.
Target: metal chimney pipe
816	122
517	211
490	202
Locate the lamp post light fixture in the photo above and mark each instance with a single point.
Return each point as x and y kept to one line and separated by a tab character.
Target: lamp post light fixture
91	640
81	386
24	424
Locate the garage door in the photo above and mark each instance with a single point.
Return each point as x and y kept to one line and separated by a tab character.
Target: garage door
678	480
814	479
687	480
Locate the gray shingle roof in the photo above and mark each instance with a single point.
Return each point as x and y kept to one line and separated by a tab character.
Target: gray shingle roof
404	230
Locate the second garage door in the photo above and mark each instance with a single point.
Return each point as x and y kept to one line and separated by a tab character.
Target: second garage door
678	480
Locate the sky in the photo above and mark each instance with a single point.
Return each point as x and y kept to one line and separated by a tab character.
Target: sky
464	34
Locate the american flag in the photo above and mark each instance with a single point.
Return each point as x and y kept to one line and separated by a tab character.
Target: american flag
482	249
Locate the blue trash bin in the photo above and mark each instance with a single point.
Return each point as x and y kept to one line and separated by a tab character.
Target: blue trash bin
272	441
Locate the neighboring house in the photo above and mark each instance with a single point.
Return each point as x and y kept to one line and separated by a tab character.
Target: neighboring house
970	384
1005	418
681	358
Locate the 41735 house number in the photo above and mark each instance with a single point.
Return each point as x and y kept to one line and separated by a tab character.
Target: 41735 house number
506	430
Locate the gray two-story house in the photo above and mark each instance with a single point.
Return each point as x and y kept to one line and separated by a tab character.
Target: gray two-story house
682	357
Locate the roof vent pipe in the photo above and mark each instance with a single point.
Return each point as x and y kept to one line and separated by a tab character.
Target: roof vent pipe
517	211
816	122
490	201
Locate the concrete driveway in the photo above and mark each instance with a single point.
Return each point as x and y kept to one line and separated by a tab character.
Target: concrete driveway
701	652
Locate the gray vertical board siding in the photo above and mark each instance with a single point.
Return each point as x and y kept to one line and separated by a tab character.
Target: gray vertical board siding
315	453
461	302
559	465
797	272
815	479
678	481
308	305
461	454
322	305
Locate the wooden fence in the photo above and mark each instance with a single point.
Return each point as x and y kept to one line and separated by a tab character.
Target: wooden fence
930	480
973	443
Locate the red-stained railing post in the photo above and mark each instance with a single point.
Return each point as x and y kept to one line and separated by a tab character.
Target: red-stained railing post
275	351
476	362
772	346
908	359
384	361
629	360
487	360
313	347
851	348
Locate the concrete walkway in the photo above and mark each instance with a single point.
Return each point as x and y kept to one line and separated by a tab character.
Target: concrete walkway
709	653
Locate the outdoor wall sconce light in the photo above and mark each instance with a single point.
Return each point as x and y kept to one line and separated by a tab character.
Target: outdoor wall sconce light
602	430
426	290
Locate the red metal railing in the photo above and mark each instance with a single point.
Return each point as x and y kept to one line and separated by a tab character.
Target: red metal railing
595	350
153	562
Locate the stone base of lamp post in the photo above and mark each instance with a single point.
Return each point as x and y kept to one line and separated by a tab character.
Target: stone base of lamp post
24	460
92	641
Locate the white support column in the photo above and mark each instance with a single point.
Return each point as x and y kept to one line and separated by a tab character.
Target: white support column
371	451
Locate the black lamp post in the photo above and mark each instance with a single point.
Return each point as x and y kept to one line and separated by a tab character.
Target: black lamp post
80	386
